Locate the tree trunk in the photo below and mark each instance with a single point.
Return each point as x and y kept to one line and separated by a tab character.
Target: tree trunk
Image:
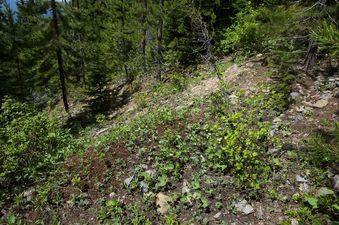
124	46
144	43
59	54
159	47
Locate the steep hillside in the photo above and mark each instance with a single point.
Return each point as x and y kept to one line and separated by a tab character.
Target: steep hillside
229	150
169	112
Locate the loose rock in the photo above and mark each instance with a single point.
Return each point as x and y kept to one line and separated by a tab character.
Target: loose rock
143	186
294	222
324	191
29	194
320	104
162	202
111	195
128	181
336	183
303	187
244	207
300	179
295	95
185	187
217	216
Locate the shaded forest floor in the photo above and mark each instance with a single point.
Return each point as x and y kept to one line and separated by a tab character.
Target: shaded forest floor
156	159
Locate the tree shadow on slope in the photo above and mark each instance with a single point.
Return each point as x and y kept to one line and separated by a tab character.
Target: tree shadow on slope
104	102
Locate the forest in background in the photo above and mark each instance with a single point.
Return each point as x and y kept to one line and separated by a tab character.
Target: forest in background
68	67
50	48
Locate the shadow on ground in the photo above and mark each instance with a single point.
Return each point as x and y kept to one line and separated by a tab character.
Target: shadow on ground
105	102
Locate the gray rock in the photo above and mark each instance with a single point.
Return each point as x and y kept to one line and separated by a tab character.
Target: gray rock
217	216
111	195
336	183
324	191
260	212
272	150
300	179
98	133
128	181
185	187
244	207
144	166
163	203
28	194
143	186
320	104
304	187
295	95
294	222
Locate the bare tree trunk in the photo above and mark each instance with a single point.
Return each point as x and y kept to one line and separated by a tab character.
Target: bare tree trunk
59	54
203	40
124	47
144	43
159	47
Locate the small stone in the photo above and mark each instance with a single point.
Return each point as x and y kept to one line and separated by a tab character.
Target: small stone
324	191
294	222
111	195
29	194
300	179
163	203
217	216
295	95
281	218
128	181
244	207
336	183
300	109
336	95
143	186
303	187
98	133
185	187
272	150
260	213
144	166
320	104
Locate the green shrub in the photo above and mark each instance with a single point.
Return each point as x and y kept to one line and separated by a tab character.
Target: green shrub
260	29
240	137
324	150
178	81
327	37
30	142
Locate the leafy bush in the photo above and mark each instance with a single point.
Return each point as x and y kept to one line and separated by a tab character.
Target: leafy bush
324	150
30	140
243	33
179	81
240	137
259	29
327	37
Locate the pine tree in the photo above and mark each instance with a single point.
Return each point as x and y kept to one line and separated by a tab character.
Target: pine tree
56	39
